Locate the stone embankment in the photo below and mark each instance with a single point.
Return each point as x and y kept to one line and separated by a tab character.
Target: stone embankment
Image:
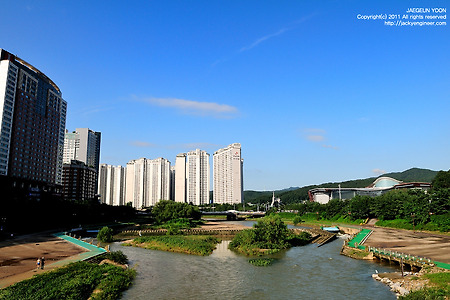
410	282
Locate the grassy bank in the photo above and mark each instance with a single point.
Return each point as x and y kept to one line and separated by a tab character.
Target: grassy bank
80	280
438	287
193	244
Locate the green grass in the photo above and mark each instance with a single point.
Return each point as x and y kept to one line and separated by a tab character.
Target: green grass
439	289
193	244
405	224
75	281
261	262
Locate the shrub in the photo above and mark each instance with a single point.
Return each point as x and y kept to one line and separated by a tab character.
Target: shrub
261	262
118	257
105	235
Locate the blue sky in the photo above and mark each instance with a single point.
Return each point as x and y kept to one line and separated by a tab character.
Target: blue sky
312	93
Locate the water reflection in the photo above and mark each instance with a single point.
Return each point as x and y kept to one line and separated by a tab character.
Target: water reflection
306	272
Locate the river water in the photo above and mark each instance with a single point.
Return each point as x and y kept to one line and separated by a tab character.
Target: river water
306	272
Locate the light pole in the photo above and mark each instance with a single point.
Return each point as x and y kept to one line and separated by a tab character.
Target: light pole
414	225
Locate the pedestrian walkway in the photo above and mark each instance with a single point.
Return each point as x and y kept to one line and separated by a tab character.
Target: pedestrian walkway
91	252
356	241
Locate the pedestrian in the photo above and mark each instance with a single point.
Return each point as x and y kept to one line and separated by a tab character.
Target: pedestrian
38	263
42	262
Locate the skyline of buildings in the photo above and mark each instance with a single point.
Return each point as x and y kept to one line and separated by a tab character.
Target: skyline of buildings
32	117
35	146
147	181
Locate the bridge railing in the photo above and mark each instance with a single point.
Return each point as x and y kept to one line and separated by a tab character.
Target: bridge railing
399	255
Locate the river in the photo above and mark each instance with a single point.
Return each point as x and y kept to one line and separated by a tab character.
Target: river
306	272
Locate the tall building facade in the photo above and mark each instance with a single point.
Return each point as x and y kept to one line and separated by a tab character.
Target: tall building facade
111	184
78	181
228	175
147	181
197	177
84	145
180	178
32	118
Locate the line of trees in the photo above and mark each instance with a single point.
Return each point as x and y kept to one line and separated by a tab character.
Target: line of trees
414	206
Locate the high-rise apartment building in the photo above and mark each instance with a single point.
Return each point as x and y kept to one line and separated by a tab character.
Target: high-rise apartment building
78	181
180	178
147	181
228	175
32	118
83	145
111	184
192	177
197	177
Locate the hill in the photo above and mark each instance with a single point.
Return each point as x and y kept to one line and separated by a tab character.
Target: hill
300	194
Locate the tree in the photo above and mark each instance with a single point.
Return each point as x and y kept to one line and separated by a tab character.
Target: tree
105	235
166	210
271	232
441	180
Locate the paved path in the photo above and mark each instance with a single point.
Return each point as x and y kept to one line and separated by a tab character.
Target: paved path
91	252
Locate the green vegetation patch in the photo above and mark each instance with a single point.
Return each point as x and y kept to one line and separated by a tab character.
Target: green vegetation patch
193	244
439	288
105	235
76	281
268	236
261	262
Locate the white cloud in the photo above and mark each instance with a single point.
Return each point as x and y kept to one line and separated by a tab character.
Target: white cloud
378	171
142	144
264	38
315	138
314	134
330	147
195	107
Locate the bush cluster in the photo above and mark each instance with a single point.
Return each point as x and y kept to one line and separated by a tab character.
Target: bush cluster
269	235
75	281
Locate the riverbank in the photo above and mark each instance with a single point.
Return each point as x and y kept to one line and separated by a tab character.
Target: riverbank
18	256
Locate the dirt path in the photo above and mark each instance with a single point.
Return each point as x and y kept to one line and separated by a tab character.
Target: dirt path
18	256
434	246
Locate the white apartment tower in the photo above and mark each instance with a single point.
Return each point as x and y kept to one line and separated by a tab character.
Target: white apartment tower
197	177
147	181
228	175
111	184
180	178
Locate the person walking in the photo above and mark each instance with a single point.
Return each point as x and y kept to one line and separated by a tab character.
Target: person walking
42	263
38	263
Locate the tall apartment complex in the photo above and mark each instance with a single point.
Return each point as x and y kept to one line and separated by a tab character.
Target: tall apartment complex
83	145
180	178
192	175
197	177
111	184
32	118
79	181
147	181
228	175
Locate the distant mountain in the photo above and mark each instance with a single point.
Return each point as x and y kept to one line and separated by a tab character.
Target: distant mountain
414	175
293	195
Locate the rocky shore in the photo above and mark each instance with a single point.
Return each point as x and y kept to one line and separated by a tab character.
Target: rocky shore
410	282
